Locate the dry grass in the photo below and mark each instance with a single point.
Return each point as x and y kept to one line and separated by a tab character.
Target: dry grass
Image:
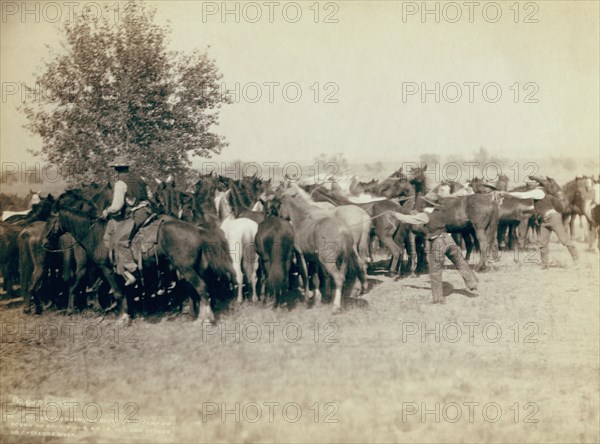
373	373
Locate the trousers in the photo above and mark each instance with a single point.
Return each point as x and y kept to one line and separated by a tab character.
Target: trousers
552	221
441	247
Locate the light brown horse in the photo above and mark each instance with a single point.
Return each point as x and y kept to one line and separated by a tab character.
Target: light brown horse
326	243
357	220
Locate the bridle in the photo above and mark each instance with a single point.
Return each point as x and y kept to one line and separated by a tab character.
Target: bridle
77	241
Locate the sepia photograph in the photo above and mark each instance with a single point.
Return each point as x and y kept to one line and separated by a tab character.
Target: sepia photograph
310	221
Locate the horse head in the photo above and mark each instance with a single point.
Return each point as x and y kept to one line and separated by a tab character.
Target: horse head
52	231
418	178
168	198
502	183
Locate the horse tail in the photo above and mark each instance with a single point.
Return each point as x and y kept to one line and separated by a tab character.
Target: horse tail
275	277
348	253
215	253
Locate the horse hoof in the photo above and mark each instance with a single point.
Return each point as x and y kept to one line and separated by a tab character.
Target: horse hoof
439	301
336	310
413	276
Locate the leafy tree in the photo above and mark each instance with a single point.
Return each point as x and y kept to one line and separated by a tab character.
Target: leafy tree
115	89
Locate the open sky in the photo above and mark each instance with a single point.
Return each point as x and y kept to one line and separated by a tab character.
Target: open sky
363	55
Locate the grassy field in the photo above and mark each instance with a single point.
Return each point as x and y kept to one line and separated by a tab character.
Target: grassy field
519	363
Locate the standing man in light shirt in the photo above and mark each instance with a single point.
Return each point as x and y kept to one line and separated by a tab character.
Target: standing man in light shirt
441	245
550	209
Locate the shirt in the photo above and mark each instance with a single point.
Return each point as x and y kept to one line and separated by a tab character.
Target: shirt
119	192
433	223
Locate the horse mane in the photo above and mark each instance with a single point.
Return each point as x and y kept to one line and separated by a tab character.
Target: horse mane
224	208
332	197
238	197
300	192
75	202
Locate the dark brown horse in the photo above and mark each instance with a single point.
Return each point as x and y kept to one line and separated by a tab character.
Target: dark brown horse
276	250
191	250
476	213
9	249
9	254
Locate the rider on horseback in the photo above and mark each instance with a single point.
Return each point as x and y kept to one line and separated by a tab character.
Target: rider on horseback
130	199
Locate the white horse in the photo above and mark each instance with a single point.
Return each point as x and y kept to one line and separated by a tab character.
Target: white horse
240	234
33	200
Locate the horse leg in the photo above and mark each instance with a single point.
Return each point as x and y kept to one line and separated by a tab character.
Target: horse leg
486	248
239	277
38	257
412	239
468	244
303	271
362	253
204	312
250	266
337	279
572	226
121	300
362	272
75	285
501	235
263	281
317	286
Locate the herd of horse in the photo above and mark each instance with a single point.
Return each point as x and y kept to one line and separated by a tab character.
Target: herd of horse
237	239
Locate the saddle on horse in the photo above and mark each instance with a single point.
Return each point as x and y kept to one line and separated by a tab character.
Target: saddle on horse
143	245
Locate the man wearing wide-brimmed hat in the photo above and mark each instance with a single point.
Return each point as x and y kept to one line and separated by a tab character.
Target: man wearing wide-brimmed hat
549	209
441	245
130	199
